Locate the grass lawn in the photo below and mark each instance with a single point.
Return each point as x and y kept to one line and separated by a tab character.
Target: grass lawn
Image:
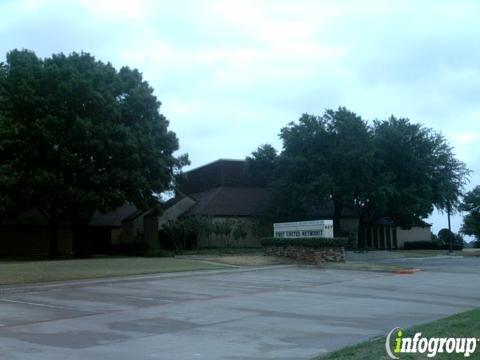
234	256
466	324
226	251
468	252
429	253
13	272
245	260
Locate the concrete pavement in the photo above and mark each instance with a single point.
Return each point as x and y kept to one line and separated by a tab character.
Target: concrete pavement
275	313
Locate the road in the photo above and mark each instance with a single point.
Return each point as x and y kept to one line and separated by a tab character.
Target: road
282	312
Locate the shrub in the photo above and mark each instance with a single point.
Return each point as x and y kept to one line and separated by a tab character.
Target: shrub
454	247
446	236
420	245
180	232
305	242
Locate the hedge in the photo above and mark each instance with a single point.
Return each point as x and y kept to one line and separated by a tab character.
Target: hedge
305	242
429	245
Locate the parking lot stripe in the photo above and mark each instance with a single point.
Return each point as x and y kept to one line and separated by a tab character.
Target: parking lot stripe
33	303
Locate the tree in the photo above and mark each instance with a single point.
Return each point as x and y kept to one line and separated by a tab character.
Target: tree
471	221
78	136
392	168
180	231
240	229
324	158
447	237
262	162
417	171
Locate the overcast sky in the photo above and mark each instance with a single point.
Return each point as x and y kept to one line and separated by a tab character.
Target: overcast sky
230	74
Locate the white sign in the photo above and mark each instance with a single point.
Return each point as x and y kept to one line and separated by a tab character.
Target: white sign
304	229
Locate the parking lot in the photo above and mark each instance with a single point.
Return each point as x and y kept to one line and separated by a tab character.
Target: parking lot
280	312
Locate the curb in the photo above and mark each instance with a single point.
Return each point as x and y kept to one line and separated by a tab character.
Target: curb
406	271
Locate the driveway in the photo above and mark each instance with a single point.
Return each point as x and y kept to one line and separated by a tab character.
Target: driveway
282	312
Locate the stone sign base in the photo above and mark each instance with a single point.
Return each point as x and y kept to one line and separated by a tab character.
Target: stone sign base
308	255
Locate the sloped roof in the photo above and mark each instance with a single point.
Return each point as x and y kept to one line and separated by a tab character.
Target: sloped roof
33	217
113	218
229	201
220	173
30	217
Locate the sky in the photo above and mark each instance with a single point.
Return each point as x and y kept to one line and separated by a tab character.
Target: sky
231	74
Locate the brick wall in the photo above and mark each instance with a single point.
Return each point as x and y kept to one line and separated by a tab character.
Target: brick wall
308	255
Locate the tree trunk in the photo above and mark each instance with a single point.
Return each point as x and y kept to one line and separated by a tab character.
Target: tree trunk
80	241
450	229
53	238
364	223
337	215
361	241
448	216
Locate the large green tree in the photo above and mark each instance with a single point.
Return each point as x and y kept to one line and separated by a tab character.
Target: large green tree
76	136
392	168
416	171
324	159
471	221
262	162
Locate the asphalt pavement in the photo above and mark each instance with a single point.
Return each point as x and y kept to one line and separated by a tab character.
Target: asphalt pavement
282	312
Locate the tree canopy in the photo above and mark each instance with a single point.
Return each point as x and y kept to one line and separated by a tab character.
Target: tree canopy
389	168
416	170
325	158
471	221
76	136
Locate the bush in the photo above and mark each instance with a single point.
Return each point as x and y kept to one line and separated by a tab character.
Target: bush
428	245
178	234
454	247
420	245
446	236
182	234
305	242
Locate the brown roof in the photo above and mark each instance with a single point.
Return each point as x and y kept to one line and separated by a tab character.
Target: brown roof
229	201
33	217
113	218
220	173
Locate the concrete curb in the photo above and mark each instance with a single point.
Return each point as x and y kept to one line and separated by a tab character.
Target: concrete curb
406	271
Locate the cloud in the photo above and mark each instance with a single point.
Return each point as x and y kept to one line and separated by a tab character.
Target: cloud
231	74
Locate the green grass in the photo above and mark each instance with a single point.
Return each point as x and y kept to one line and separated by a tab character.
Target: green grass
13	272
225	251
466	324
430	253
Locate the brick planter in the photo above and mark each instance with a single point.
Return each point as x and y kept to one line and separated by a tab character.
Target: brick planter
307	255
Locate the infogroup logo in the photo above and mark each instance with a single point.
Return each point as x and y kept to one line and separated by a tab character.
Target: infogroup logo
397	343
